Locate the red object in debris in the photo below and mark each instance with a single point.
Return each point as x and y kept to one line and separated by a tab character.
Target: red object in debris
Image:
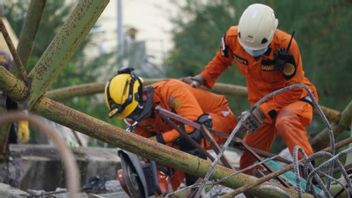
121	177
163	182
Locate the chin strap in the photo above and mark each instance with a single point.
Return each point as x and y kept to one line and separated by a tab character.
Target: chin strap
146	109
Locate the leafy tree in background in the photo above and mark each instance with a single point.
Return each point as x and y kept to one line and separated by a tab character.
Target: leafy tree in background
196	36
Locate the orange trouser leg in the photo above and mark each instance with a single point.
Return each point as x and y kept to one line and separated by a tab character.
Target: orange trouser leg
290	125
262	138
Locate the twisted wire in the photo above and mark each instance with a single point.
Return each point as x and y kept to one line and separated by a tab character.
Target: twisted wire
296	149
247	114
340	183
332	160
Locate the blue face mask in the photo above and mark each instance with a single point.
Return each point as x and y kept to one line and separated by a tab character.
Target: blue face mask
255	53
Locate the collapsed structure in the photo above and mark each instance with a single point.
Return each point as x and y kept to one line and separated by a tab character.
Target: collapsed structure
31	91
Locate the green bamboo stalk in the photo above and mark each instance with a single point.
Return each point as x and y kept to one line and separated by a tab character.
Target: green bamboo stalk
19	69
73	91
322	139
219	88
14	88
29	29
63	46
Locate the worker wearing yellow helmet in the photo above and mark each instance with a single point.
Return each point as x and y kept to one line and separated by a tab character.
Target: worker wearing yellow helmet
126	97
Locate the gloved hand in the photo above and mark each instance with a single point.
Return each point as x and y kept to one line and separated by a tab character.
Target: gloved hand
194	81
283	57
254	120
185	145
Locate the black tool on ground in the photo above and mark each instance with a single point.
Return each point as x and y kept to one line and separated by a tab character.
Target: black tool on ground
138	177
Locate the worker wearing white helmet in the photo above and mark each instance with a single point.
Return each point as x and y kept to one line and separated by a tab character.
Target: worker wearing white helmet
269	59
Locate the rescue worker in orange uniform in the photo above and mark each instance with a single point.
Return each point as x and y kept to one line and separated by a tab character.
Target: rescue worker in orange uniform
127	99
270	59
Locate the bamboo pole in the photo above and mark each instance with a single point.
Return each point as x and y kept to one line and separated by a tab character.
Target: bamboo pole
29	29
84	89
219	88
322	139
142	146
19	69
17	90
12	87
63	46
78	90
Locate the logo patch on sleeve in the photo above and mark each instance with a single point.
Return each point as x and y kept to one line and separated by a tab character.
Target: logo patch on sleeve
174	103
289	70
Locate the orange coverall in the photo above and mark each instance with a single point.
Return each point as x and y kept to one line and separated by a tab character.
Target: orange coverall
285	114
190	103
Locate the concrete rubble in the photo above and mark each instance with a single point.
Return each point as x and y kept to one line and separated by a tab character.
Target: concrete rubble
37	170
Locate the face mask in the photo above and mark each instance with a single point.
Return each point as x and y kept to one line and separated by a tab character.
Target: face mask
255	53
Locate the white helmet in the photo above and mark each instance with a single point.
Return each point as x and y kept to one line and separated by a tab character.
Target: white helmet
256	27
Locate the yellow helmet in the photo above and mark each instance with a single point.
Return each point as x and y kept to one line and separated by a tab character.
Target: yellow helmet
123	93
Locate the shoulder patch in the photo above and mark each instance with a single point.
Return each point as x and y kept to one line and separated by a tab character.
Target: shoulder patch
174	103
240	59
289	70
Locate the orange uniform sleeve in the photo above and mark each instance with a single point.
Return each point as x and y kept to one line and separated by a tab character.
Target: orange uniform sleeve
184	104
220	61
215	68
280	100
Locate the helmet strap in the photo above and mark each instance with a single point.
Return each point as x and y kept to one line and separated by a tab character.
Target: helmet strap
148	104
144	109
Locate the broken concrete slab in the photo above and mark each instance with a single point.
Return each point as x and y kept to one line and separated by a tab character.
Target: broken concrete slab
39	166
11	192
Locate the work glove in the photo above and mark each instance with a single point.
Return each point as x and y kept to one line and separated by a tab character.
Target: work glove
185	145
253	121
283	57
194	81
